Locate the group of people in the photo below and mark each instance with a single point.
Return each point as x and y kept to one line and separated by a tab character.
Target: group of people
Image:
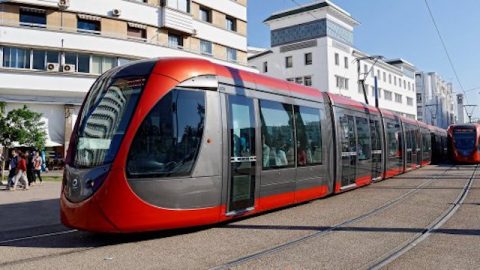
24	168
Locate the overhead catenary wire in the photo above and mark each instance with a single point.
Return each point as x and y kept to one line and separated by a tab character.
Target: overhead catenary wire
442	41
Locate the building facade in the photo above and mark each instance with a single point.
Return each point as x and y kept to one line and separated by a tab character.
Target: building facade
314	45
51	51
436	104
460	110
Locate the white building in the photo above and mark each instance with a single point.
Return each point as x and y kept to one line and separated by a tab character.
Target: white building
313	45
51	51
435	100
460	110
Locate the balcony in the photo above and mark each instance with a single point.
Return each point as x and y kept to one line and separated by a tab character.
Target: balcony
177	20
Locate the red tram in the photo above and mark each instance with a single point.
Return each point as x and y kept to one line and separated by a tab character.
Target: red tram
464	143
172	143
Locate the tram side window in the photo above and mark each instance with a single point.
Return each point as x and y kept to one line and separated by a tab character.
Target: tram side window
168	141
347	133
376	135
364	143
309	136
393	139
277	135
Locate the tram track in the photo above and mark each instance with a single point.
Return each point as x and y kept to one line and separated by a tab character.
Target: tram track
324	232
237	262
400	250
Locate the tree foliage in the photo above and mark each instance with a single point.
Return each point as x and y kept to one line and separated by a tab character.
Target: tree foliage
22	126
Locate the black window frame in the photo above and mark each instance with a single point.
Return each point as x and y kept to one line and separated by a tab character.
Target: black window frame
29	14
288	61
208	12
308	59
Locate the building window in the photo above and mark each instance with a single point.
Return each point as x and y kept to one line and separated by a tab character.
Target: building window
231	24
419	98
400	83
379	77
388	95
175	41
290	79
206	47
33	17
101	64
138	32
384	76
81	62
409	101
398	98
365	70
265	67
88	26
308	59
38	59
341	82
231	54
394	80
409	86
16	58
182	5
288	62
307	80
390	78
337	59
404	84
299	80
345	60
205	14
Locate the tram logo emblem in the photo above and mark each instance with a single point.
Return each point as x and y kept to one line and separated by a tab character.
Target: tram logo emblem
75	183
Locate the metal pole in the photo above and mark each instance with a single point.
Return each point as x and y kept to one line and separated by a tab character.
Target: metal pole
375	82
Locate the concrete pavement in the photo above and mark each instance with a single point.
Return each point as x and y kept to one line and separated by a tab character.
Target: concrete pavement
353	246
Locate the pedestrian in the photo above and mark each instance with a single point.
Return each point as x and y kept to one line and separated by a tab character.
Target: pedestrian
37	163
21	174
30	168
12	167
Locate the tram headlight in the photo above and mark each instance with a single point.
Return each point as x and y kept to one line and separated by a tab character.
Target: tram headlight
80	184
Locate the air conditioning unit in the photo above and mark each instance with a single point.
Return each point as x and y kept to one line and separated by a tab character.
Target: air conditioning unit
68	68
53	67
63	4
116	12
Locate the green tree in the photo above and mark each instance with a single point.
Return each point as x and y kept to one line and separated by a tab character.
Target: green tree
22	126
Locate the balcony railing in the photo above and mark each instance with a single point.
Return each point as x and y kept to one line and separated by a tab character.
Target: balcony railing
178	20
153	40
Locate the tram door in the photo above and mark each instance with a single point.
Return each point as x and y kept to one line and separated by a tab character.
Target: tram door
349	149
243	160
377	153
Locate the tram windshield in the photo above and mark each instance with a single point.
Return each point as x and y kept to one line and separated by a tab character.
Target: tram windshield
104	119
464	138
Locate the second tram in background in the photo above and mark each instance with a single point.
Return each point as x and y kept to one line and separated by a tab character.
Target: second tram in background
464	143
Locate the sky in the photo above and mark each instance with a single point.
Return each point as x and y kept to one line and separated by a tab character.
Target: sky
403	29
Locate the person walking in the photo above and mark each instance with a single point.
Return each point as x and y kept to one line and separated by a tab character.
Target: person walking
12	167
30	168
37	163
21	173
